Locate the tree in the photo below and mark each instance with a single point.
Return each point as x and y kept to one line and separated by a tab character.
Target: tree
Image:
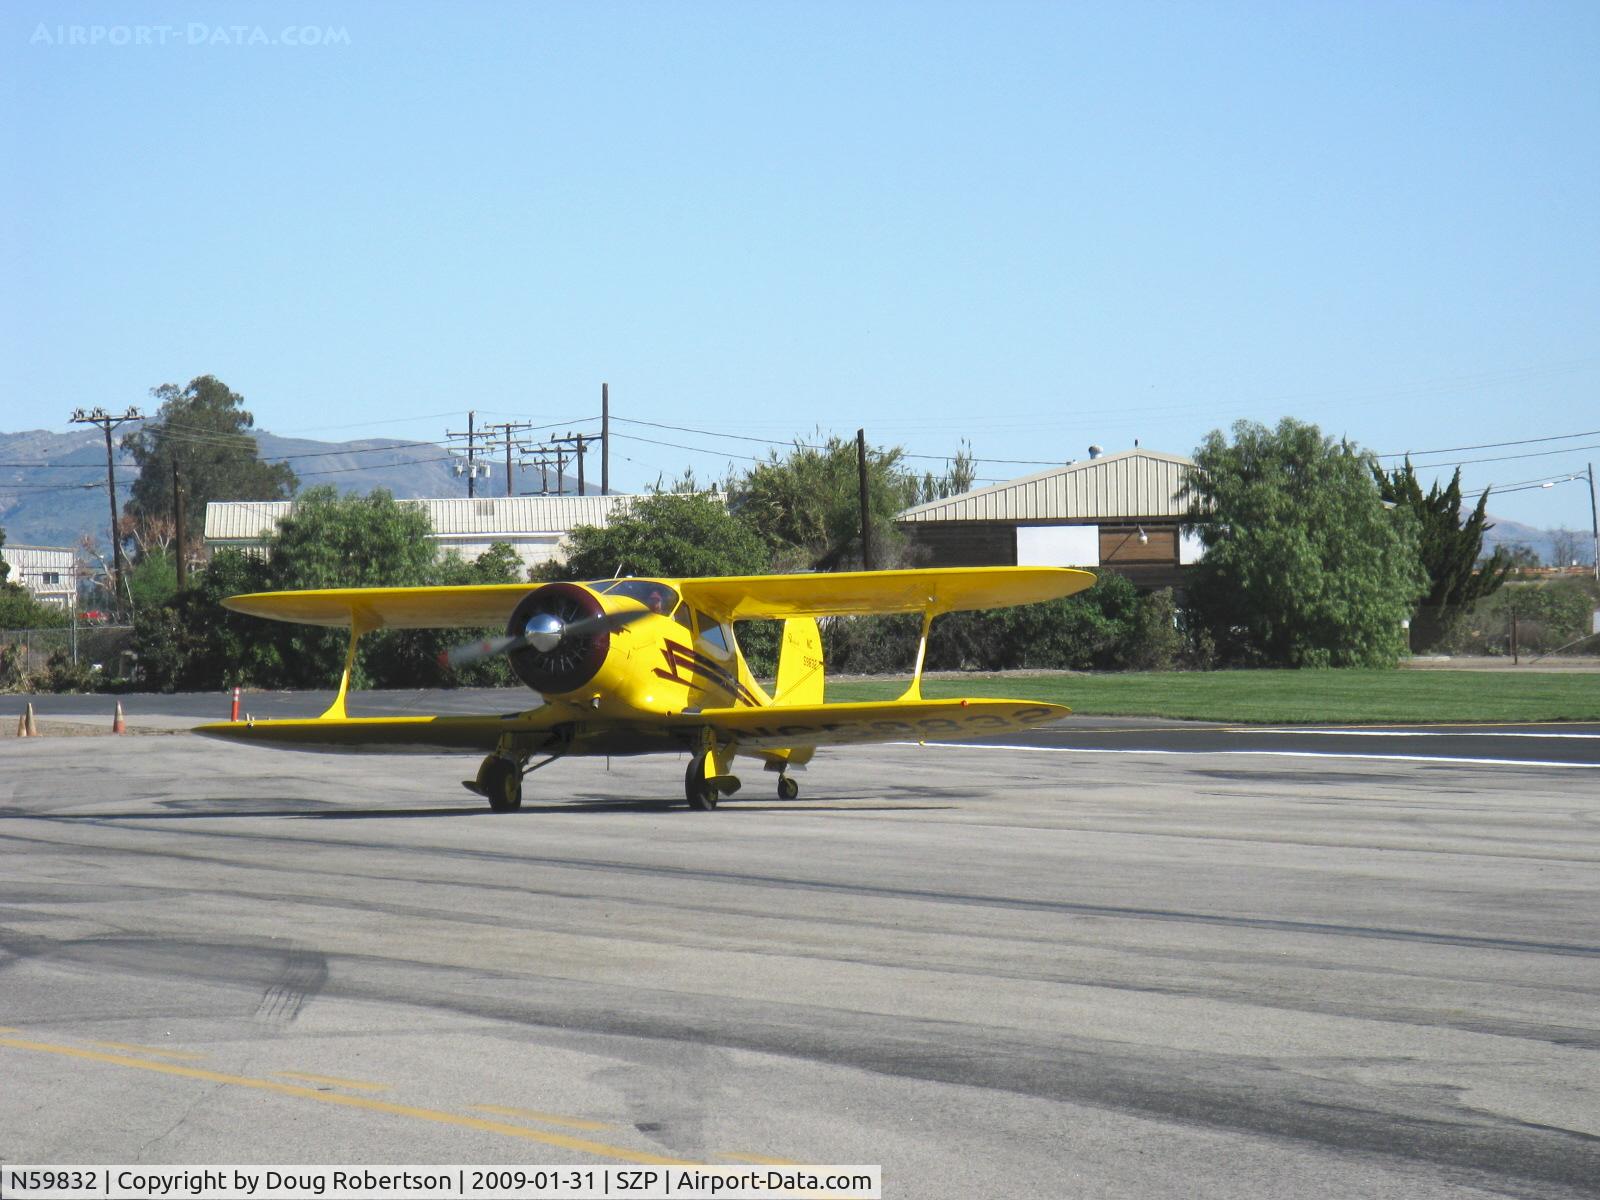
5	567
961	471
1303	566
192	643
1568	547
1449	547
411	657
204	427
152	582
669	534
806	505
20	610
327	541
1520	555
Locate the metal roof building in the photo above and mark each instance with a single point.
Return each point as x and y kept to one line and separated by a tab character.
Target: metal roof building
533	526
49	572
1121	511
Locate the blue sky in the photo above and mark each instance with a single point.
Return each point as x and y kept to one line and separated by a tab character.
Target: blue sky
1032	226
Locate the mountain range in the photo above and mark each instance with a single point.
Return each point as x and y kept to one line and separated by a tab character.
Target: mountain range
1510	533
53	485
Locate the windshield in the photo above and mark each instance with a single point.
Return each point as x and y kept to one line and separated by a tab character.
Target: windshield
657	597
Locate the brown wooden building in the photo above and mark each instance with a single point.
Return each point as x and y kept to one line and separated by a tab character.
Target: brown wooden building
1111	511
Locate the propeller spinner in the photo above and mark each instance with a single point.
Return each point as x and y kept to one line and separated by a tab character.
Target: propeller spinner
556	639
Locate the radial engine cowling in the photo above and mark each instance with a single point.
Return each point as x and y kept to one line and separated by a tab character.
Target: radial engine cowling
553	661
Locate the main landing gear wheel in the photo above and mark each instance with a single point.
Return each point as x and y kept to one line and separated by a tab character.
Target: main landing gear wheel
500	779
788	788
696	787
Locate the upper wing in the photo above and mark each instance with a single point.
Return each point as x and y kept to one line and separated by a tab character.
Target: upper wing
877	721
466	606
732	597
936	589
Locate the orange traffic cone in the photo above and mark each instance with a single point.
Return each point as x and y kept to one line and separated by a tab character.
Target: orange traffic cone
31	722
118	725
22	725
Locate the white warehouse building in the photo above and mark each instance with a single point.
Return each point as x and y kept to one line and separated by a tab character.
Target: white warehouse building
533	526
49	572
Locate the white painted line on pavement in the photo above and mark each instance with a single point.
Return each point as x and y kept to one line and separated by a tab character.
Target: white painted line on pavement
1407	733
1419	758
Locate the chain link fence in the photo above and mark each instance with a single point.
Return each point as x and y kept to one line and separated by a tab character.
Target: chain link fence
104	649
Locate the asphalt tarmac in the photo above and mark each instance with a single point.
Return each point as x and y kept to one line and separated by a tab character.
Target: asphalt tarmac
1118	959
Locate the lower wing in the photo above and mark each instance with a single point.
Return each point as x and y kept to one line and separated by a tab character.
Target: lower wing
878	721
768	728
389	733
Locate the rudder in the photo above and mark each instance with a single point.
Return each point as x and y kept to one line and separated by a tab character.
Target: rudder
800	675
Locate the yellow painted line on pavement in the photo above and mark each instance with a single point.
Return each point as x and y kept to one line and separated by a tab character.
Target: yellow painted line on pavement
547	1118
435	1116
760	1161
333	1081
137	1049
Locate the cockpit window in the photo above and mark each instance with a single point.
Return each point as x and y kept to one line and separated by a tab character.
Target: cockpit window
657	597
713	634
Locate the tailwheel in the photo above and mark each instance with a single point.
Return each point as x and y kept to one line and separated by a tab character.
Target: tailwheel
788	788
500	779
697	788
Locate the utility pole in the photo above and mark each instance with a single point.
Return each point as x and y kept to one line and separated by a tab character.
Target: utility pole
180	532
866	511
506	428
107	422
1594	523
580	442
472	453
605	440
541	459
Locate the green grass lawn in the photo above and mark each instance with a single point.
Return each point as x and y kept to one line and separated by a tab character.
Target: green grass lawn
1317	697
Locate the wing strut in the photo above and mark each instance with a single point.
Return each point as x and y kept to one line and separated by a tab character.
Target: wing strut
358	626
914	692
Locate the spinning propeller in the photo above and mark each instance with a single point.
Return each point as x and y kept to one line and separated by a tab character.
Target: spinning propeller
544	632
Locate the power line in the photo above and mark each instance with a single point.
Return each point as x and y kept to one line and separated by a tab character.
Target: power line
50	466
1467	462
1524	485
1555	437
633	437
1021	462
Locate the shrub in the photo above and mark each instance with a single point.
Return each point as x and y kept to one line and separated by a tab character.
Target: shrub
1093	630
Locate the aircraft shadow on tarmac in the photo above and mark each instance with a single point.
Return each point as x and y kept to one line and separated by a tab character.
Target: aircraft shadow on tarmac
222	811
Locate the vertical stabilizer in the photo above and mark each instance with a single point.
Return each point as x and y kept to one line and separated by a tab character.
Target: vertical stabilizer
800	663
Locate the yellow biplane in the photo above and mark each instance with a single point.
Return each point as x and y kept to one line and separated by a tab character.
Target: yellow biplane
635	666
